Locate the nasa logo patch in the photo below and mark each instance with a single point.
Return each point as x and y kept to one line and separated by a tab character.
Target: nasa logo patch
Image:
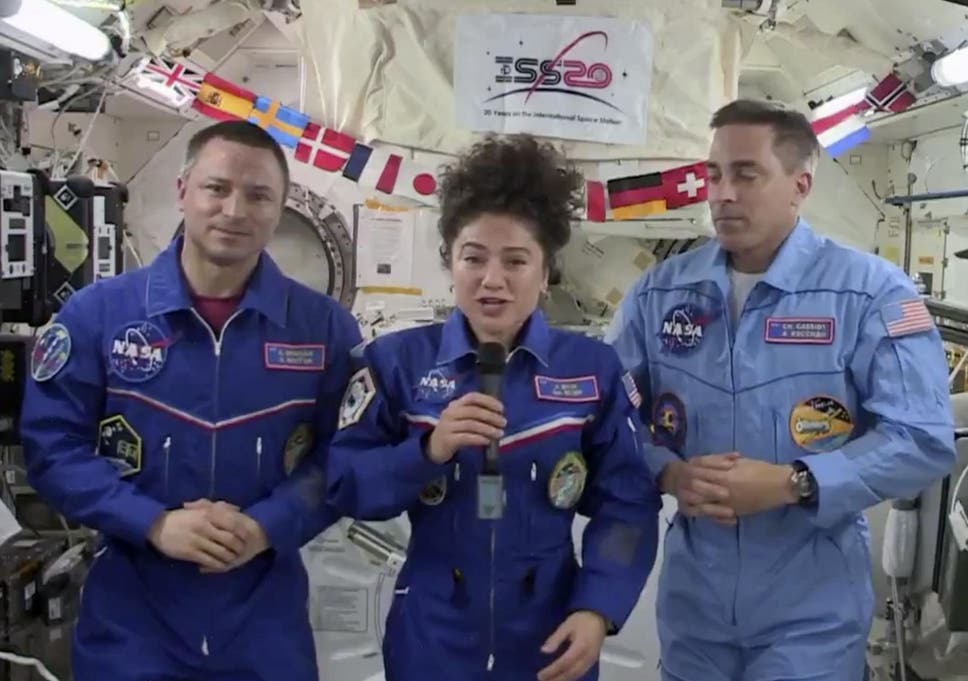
820	424
50	353
683	328
138	351
436	386
668	422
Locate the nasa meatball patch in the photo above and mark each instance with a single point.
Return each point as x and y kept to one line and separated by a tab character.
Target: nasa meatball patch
138	351
683	328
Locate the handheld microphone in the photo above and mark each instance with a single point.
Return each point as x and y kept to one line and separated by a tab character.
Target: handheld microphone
490	487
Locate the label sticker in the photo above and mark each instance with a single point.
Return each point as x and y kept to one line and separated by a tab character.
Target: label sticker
578	389
800	330
294	356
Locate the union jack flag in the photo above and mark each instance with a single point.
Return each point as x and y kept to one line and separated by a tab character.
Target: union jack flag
175	82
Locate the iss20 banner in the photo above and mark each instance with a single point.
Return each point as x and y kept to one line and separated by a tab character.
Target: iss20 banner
580	78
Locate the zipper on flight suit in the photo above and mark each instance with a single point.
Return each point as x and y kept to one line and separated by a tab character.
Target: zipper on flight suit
217	343
732	384
490	657
167	449
258	457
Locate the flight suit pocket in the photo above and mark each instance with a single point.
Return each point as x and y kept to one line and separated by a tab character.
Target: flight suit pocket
849	562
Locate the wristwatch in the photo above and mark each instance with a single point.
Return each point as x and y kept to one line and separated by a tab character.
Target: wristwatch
803	483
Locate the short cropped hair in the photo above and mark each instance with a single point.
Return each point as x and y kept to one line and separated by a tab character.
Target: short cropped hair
239	131
794	141
517	176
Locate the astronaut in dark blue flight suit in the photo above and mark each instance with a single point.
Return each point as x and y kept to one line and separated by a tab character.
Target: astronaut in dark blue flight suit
482	597
181	410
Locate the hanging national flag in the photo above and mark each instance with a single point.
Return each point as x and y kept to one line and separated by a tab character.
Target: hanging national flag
595	203
284	124
636	196
685	185
222	100
846	134
824	118
324	147
891	94
357	161
416	182
172	81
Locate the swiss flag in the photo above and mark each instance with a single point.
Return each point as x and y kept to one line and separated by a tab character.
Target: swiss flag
324	148
685	185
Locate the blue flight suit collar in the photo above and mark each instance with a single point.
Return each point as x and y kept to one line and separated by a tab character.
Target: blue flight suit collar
266	292
793	257
457	340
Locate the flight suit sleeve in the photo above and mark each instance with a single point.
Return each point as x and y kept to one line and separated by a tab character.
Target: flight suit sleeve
377	467
901	378
620	541
62	408
297	511
627	334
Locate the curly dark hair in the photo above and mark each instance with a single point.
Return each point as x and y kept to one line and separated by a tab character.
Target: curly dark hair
517	176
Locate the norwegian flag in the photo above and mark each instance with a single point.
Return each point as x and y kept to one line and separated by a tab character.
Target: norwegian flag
169	79
890	94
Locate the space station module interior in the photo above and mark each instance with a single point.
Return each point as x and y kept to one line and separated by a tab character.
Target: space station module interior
91	145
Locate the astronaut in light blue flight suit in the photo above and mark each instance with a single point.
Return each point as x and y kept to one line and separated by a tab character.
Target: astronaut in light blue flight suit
175	409
790	383
500	598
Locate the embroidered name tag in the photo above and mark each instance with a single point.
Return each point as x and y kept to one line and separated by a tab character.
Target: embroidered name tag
810	330
295	357
579	389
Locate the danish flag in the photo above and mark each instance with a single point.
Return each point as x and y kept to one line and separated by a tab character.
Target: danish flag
324	148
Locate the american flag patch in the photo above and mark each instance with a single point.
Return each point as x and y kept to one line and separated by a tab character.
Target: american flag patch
631	390
906	317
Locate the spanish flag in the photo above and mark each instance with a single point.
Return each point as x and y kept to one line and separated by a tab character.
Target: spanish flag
284	124
223	100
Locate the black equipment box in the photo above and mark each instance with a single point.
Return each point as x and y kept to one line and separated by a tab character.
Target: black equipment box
14	367
23	248
85	226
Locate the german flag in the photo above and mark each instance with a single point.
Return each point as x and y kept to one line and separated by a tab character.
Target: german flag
637	196
223	100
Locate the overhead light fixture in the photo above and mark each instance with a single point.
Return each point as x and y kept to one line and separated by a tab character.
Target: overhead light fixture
46	21
951	69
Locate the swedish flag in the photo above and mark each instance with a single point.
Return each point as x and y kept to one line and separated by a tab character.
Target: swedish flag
284	124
